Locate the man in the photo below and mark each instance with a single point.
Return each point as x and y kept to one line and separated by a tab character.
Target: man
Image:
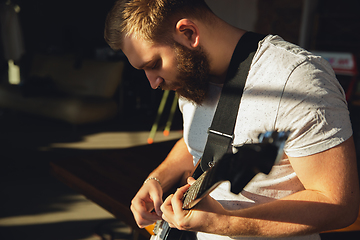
183	46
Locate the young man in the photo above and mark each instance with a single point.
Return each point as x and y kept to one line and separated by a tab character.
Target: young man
183	46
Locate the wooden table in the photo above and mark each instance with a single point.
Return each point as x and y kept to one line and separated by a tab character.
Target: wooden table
111	178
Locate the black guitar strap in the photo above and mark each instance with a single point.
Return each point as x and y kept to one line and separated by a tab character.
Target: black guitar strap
220	133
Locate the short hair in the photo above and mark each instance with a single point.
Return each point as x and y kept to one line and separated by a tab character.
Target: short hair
152	20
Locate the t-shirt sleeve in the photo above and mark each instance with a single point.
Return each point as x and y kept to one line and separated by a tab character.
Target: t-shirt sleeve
314	106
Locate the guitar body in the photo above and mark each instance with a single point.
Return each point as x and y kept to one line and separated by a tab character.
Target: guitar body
175	234
238	168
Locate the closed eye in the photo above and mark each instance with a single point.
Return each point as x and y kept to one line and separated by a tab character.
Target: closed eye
156	64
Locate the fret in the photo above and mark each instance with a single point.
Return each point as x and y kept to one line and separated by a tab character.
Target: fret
192	193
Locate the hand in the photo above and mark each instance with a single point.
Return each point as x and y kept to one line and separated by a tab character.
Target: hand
201	218
145	206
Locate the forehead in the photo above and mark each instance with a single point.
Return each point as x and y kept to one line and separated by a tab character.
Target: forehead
135	49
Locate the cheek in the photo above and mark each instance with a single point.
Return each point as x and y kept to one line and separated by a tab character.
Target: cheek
170	72
169	60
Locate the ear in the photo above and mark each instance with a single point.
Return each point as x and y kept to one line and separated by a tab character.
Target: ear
187	33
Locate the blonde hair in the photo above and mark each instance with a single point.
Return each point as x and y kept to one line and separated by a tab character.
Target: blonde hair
152	20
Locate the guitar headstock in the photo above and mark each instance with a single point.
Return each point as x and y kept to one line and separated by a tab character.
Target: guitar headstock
275	138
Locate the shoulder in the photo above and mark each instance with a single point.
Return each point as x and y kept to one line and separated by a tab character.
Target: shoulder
278	43
279	61
274	49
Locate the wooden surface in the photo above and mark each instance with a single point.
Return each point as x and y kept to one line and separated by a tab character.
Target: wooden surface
111	178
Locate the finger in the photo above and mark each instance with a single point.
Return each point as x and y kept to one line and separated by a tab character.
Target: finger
177	200
168	220
143	222
168	216
157	202
171	225
181	191
166	207
144	219
154	198
191	180
140	205
142	211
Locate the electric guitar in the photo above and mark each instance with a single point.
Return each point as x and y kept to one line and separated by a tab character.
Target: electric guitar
238	168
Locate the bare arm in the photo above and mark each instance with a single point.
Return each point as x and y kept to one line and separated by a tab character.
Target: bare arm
330	200
149	197
178	163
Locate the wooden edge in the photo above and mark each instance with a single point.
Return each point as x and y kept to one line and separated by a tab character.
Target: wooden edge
120	211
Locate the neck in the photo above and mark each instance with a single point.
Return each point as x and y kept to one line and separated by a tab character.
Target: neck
220	44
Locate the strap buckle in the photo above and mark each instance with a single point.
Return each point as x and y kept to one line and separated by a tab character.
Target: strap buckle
220	133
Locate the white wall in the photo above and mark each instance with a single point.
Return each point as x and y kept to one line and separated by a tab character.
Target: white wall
239	13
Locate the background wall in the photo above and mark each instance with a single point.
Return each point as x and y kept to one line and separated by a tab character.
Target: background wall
239	13
281	17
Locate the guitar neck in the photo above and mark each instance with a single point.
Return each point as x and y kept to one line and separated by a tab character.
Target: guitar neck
199	189
193	191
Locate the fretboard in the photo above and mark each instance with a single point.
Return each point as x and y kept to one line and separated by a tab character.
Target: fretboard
193	192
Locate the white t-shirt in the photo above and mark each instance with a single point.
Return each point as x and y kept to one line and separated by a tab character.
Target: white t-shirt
287	88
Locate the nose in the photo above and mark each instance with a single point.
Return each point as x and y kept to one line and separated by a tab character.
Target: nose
154	80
